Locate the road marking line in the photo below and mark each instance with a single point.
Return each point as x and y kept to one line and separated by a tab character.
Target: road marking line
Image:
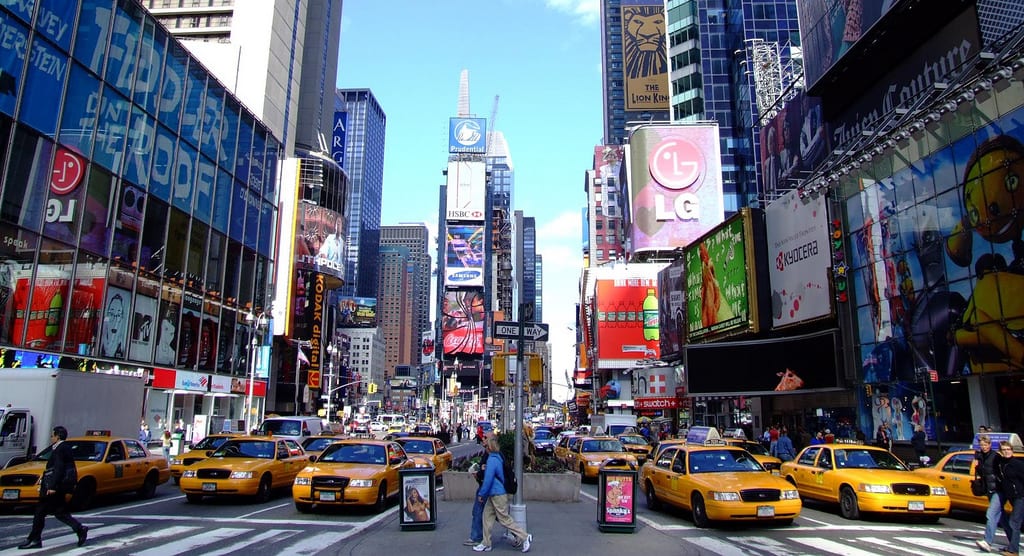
315	543
933	544
187	544
96	531
832	547
723	547
264	510
264	536
132	506
812	520
230	520
116	543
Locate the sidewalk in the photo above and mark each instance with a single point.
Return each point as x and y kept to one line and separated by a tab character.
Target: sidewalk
557	528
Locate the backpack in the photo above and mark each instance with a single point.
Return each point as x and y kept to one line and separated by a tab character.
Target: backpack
509	477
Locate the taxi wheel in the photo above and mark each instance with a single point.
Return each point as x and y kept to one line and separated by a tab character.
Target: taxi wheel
84	494
382	498
177	480
148	489
652	499
303	507
700	512
848	503
263	492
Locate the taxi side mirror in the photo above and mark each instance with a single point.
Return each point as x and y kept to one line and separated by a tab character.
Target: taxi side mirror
396	461
209	453
312	458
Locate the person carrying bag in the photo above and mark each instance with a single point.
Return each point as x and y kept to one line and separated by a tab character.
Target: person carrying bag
57	483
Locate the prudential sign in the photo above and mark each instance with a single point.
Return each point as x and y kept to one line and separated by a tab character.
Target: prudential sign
467	135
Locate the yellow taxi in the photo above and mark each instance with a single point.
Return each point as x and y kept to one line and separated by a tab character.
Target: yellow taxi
587	453
561	450
862	478
105	465
197	452
245	466
637	445
716	482
956	469
760	453
352	472
427	450
315	445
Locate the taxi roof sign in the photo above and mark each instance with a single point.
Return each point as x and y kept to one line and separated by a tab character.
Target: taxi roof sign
700	435
738	434
97	432
998	438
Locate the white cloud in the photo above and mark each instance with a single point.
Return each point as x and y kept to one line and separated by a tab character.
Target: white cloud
559	242
585	11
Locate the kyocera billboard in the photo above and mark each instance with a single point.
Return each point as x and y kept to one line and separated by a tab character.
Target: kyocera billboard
466	191
464	263
627	314
799	259
675	184
467	135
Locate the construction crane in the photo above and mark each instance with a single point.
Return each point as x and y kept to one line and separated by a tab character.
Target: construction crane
491	127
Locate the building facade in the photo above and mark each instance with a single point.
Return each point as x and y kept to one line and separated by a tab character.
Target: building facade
415	238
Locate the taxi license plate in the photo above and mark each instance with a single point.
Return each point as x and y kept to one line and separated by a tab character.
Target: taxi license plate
915	506
766	511
209	487
328	496
12	494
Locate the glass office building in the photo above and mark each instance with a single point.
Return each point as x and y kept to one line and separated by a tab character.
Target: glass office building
139	200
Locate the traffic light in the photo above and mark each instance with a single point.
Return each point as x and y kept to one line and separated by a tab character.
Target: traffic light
536	369
499	370
372	388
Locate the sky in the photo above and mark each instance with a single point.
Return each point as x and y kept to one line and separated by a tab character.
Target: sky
542	58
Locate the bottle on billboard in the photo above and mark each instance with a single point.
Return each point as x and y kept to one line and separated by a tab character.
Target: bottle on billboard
651	316
53	315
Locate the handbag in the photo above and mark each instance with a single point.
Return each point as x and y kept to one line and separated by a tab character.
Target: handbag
978	487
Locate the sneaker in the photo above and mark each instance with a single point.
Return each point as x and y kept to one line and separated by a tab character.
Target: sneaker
983	545
526	543
481	548
470	542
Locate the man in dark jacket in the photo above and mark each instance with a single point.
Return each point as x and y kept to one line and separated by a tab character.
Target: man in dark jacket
1010	471
53	492
986	471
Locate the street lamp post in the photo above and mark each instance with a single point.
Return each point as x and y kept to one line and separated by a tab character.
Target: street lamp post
299	344
254	323
332	351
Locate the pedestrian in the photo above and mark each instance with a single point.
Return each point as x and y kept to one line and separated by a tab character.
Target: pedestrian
986	472
773	439
882	439
919	442
58	482
165	444
819	438
492	493
144	435
1010	472
784	446
476	526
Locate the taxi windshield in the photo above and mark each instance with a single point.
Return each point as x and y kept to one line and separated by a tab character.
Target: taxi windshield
633	439
355	453
602	446
81	450
317	443
542	434
210	443
418	446
863	458
261	449
722	461
754	448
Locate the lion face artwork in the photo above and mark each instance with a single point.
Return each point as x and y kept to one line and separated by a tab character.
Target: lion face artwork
643	40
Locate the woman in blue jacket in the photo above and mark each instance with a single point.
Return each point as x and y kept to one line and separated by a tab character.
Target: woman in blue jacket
492	493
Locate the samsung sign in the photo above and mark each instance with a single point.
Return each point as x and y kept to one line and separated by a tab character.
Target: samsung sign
467	135
338	139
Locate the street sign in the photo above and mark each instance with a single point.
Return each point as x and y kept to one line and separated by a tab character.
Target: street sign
509	330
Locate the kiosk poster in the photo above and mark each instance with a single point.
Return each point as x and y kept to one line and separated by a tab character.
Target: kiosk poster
618	499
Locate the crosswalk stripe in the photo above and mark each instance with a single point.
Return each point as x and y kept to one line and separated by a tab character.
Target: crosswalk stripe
833	547
67	542
193	542
934	544
273	535
314	544
773	546
716	546
95	532
888	546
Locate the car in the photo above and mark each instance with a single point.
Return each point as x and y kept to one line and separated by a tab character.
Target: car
427	450
377	426
544	442
955	471
245	466
587	454
105	465
395	428
423	429
361	427
863	478
352	472
760	453
564	446
197	452
717	482
316	444
636	444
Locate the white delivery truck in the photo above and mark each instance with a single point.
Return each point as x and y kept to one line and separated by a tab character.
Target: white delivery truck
33	401
612	424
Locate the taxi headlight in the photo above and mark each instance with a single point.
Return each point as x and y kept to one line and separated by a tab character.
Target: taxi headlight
939	491
241	474
303	481
190	473
790	494
593	463
177	461
362	483
725	496
876	489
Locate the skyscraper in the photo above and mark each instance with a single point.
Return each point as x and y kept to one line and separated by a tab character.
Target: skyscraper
394	306
416	239
364	163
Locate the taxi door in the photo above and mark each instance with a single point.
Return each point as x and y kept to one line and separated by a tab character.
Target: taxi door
805	474
824	476
139	464
679	480
572	455
662	477
289	454
119	470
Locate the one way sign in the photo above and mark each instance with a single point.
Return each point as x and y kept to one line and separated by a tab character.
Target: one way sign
509	330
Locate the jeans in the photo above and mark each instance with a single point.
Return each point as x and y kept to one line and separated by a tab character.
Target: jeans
993	516
476	530
1011	524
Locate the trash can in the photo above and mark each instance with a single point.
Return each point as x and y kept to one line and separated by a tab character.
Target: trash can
616	496
417	505
176	444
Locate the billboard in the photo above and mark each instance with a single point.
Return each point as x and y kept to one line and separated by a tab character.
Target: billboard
464	261
627	314
645	54
338	137
675	184
427	348
800	260
721	285
777	366
829	28
672	309
467	135
467	190
793	142
357	311
318	242
462	322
